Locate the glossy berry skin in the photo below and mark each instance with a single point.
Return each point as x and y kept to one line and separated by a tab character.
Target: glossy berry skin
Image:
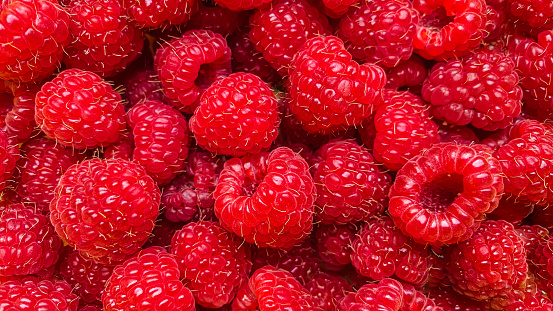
329	90
386	295
380	32
458	134
492	262
238	115
449	29
531	303
350	185
337	8
218	19
241	5
414	300
91	308
381	250
30	293
187	66
449	300
403	129
80	110
535	13
40	170
9	155
333	245
512	210
20	118
266	198
328	290
438	196
122	205
409	74
272	289
149	280
103	40
122	148
87	278
160	14
280	29
28	241
213	262
34	35
161	139
481	90
143	86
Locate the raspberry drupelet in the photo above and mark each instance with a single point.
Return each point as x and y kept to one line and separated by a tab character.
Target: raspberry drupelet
80	110
142	86
9	155
218	19
333	245
188	65
439	196
267	198
329	90
386	295
20	119
241	5
328	290
237	115
106	209
31	293
337	8
407	75
536	13
160	14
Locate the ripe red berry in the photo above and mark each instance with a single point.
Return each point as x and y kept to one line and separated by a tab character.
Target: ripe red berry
449	300
329	90
80	110
536	13
9	155
407	75
160	14
386	295
333	245
217	19
143	86
122	203
328	290
266	198
337	8
30	293
20	116
241	5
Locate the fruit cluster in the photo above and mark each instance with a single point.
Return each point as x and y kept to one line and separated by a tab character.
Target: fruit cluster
276	155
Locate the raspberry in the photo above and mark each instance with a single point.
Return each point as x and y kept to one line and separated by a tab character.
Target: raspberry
187	66
238	115
530	303
329	90
217	19
280	29
455	91
457	134
34	35
337	8
534	12
438	195
160	14
143	86
333	244
381	251
270	288
491	263
511	210
302	260
9	154
245	58
328	290
87	278
28	242
30	293
121	149
350	186
241	5
105	208
266	198
380	31
447	299
190	195
163	233
91	308
213	263
20	118
403	129
386	295
449	29
413	300
80	110
150	280
533	237
104	41
408	75
160	138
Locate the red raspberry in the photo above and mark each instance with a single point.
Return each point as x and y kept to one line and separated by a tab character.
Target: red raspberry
213	263
34	35
121	149
163	233
267	198
217	19
30	293
534	12
9	154
333	244
270	288
328	290
350	185
122	204
496	16
533	237
91	308
302	260
455	91
280	29
80	110
238	115
337	8
407	75
241	5
190	195
386	295
161	139
449	29
20	118
413	300
143	86
187	66
42	167
438	195
28	242
160	14
403	129
380	31
491	263
531	303
87	278
457	134
150	280
329	90
381	251
104	41
511	210
449	300
245	58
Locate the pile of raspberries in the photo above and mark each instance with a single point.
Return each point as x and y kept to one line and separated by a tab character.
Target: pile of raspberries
276	155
